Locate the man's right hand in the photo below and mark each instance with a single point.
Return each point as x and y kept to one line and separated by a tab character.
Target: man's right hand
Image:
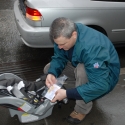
50	80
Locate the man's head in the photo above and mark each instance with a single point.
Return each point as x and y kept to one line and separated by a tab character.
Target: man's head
63	32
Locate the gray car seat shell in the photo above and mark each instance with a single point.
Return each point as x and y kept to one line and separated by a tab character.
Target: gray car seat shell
26	112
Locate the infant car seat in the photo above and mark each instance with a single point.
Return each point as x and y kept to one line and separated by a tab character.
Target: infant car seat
24	99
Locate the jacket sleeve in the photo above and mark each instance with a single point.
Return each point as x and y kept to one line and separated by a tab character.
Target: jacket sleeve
96	60
58	62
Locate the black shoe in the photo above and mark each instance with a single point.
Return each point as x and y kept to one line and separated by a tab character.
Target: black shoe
75	118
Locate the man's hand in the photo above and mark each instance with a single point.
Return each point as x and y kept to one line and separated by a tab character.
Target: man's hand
50	80
59	95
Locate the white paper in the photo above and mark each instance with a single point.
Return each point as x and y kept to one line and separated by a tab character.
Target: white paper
51	92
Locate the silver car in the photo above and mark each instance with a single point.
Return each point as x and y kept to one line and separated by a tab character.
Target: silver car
34	17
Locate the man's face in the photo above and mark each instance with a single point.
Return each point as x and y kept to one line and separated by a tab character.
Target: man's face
66	43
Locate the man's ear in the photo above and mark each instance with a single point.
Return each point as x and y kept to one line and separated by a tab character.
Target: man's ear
74	34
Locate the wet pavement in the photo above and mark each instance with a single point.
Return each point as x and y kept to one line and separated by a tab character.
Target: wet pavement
28	63
108	110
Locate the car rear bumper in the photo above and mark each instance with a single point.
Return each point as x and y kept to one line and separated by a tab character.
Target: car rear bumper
36	37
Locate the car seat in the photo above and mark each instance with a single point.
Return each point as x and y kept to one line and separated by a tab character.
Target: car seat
25	99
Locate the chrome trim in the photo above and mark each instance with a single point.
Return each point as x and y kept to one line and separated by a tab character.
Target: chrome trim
118	30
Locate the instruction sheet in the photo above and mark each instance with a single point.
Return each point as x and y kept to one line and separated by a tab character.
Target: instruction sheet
51	91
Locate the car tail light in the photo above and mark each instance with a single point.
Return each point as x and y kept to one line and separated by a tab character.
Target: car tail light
33	14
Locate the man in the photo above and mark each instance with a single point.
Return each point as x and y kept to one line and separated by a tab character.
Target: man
95	60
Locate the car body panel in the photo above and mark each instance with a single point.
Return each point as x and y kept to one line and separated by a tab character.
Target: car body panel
31	36
110	16
73	4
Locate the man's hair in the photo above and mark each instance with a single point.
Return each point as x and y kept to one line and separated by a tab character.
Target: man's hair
62	27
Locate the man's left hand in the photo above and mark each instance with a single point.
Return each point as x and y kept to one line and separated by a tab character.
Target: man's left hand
59	95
